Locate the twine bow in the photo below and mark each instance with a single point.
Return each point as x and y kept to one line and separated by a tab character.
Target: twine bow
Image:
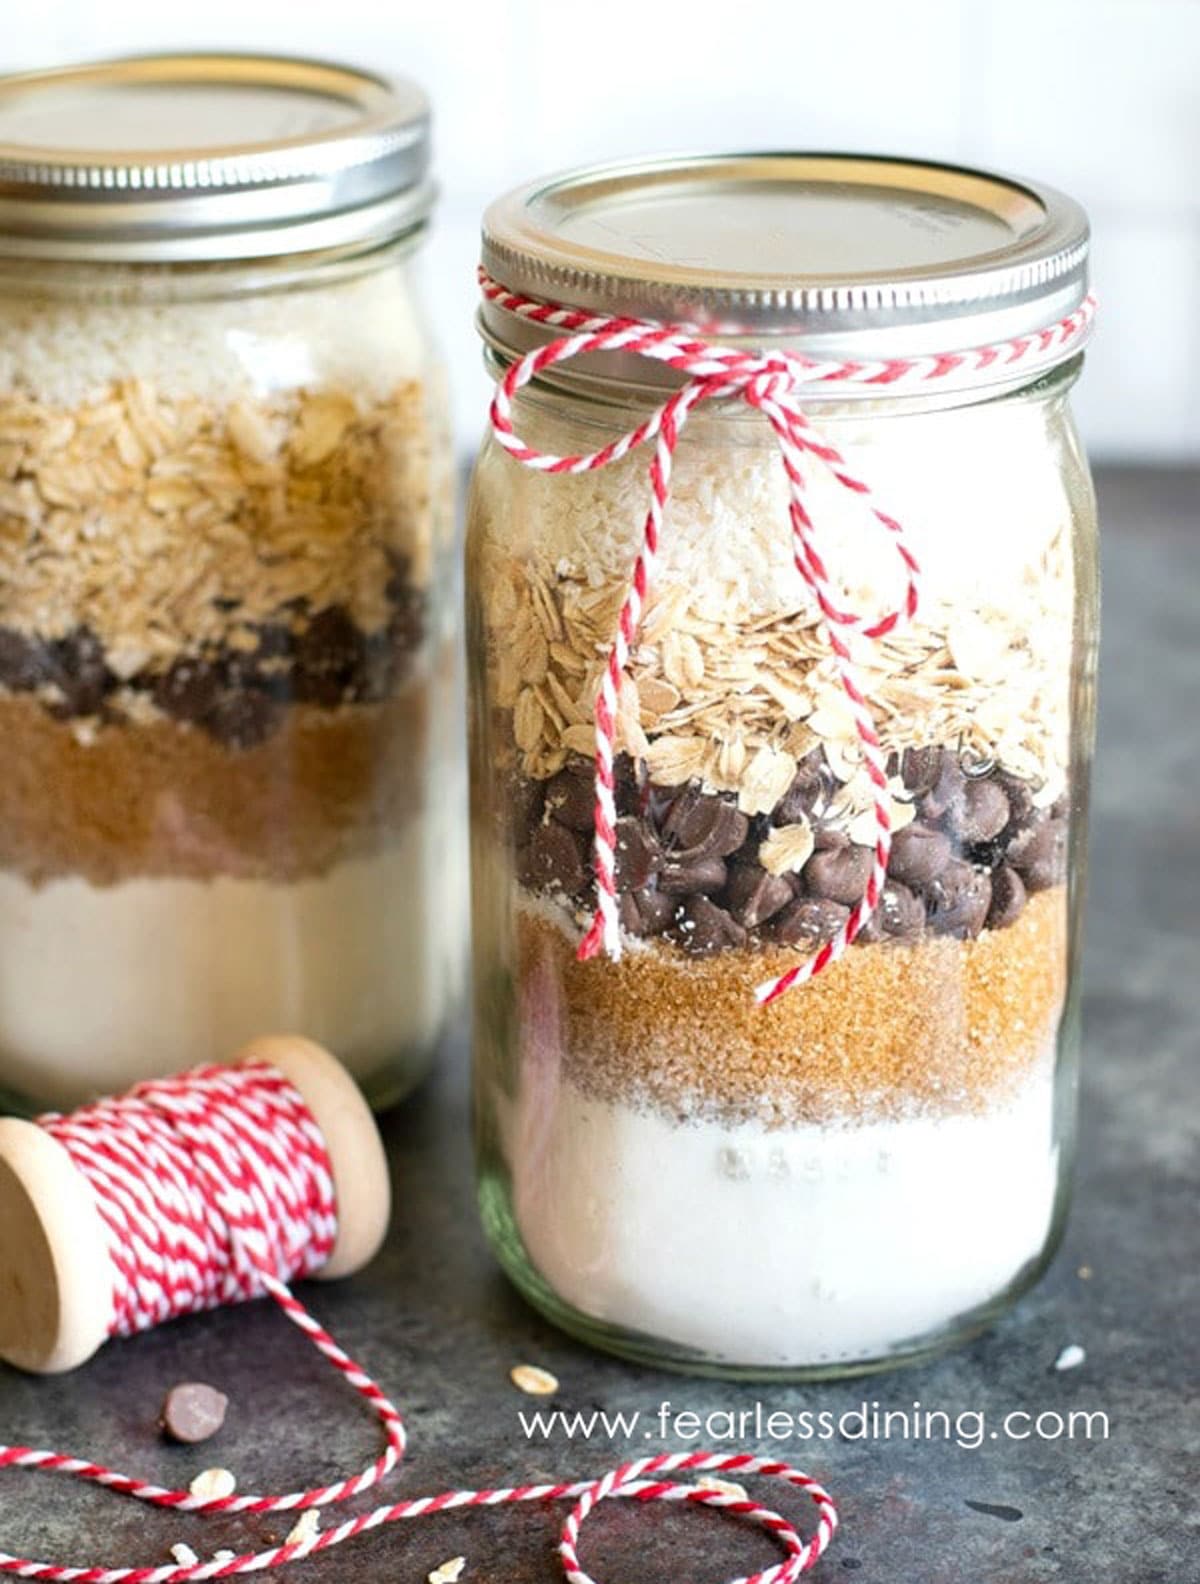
771	384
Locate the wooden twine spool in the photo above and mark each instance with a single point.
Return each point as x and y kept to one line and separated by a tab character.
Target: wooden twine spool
56	1270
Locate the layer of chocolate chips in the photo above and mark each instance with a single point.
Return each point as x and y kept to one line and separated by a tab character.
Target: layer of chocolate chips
237	696
688	869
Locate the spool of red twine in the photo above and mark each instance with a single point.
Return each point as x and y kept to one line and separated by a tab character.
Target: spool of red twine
227	1184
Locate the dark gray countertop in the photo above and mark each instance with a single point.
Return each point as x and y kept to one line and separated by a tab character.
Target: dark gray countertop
439	1327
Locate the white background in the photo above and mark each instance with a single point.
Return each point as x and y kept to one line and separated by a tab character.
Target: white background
1101	97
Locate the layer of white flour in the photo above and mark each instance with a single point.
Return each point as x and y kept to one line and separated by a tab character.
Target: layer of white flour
799	1246
100	987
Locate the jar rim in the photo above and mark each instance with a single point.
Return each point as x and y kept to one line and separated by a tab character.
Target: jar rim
310	155
841	256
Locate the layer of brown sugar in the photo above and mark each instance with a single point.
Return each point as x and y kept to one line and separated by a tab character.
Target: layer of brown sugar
164	798
939	1027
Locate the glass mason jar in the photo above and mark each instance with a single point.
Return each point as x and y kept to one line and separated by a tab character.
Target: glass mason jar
228	662
875	1164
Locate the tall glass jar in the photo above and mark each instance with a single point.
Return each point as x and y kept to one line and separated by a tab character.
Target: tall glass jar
876	1163
227	585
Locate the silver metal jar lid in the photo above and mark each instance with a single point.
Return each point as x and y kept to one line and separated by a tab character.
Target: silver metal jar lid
844	255
170	158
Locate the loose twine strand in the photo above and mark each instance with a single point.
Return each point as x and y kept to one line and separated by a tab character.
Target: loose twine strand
215	1187
771	384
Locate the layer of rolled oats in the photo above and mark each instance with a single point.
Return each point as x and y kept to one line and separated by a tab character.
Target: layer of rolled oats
735	703
161	525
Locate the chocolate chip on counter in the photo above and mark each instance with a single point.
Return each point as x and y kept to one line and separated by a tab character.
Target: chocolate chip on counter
957	901
899	916
944	798
193	1412
684	874
24	662
1008	897
839	875
919	854
647	912
243	718
554	857
983	812
920	768
701	928
639	855
571	796
753	895
811	921
704	825
189	690
806	791
1039	854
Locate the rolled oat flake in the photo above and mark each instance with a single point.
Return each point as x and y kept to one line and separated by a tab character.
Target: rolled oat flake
226	597
838	647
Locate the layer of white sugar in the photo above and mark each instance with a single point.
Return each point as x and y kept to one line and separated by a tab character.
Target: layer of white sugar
360	334
100	987
787	1247
982	492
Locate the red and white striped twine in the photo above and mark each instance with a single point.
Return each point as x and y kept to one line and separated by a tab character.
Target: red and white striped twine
771	383
216	1187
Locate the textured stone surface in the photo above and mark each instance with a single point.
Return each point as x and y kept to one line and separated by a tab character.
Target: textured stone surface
441	1329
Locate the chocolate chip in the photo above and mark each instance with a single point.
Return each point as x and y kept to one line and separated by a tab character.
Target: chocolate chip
80	673
639	855
683	874
829	839
839	875
899	916
920	768
275	641
189	691
983	811
383	664
24	662
806	791
647	912
1039	854
943	801
1008	897
193	1412
329	657
554	857
703	825
571	796
1020	800
753	896
919	854
243	718
811	921
523	799
957	901
702	929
